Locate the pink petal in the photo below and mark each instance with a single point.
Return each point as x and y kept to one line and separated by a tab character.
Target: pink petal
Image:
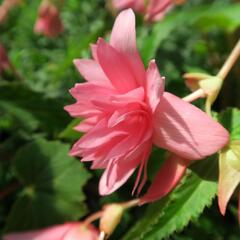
82	232
86	92
54	233
96	137
123	39
185	130
91	71
80	110
154	85
123	36
94	51
87	124
115	67
119	179
119	170
166	179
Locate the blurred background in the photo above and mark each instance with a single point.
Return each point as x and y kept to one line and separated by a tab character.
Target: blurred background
35	190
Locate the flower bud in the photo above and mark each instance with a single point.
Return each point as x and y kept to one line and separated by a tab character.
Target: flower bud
49	22
112	215
211	85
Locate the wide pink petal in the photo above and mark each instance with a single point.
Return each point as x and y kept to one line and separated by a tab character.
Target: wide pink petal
82	232
154	85
91	71
185	130
123	38
115	67
54	233
166	179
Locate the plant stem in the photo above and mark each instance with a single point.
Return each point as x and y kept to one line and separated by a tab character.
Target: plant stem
10	189
230	61
194	95
129	204
221	74
93	217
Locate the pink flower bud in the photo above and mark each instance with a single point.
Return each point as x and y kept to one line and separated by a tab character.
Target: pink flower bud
49	22
211	86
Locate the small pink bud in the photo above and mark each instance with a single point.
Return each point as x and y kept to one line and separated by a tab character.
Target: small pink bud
112	215
49	22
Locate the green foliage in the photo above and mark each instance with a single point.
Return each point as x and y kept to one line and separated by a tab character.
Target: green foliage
31	110
230	119
69	133
205	17
52	186
184	204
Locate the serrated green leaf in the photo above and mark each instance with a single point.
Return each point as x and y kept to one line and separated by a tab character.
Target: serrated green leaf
175	211
52	183
230	119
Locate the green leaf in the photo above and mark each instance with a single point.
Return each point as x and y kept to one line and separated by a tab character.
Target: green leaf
184	204
202	16
230	119
69	133
32	110
52	186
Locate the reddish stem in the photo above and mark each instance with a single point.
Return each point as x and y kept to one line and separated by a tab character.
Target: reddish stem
9	189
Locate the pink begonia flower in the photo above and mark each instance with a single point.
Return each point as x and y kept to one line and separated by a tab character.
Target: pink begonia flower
4	60
67	231
154	10
49	22
126	111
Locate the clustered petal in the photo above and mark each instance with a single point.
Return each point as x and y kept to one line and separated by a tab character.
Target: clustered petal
126	111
